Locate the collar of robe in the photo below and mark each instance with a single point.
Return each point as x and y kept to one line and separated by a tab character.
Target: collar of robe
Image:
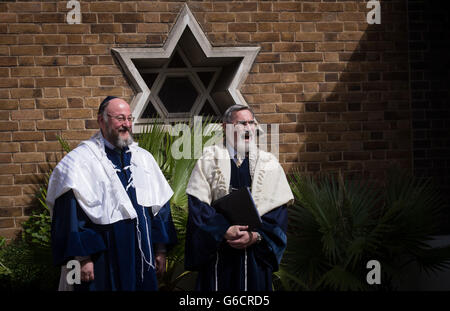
210	178
98	190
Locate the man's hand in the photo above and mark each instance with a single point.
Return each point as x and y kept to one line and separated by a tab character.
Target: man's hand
245	241
238	237
160	261
235	232
87	270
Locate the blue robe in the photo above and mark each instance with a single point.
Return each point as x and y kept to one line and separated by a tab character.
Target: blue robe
209	254
118	261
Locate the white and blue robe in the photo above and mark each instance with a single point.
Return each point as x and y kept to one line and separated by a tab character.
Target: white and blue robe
221	267
122	249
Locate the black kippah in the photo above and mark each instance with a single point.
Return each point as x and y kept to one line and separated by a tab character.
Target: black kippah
104	102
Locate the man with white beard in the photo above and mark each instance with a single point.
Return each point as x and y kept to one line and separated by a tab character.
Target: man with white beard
231	257
110	209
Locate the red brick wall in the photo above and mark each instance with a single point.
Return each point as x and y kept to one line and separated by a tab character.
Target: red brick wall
337	86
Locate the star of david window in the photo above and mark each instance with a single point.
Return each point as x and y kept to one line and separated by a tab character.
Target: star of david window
186	77
180	90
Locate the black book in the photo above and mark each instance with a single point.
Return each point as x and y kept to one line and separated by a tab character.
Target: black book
239	209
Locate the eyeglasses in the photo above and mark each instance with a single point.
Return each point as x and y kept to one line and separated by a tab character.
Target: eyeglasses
244	123
121	118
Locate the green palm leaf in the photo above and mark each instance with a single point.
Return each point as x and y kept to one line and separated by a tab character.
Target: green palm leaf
336	226
339	278
160	142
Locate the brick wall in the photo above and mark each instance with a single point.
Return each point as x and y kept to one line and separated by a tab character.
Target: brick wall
337	86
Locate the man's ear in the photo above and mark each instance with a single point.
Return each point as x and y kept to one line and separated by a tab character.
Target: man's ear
100	121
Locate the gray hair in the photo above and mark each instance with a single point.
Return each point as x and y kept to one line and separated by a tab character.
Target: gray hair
228	115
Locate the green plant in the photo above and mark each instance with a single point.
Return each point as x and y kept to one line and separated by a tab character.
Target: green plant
161	143
36	230
64	144
4	270
336	226
29	258
26	262
28	268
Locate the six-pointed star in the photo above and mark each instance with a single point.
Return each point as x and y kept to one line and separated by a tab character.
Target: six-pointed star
206	75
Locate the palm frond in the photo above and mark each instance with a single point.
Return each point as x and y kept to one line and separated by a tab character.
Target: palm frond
288	281
154	139
173	151
433	260
337	225
64	144
338	278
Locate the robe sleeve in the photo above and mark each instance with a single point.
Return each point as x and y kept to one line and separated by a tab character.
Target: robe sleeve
163	229
204	233
273	232
71	236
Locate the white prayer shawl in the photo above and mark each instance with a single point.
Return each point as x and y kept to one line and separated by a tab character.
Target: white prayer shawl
97	188
210	178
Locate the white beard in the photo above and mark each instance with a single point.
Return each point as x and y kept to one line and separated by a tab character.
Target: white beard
123	142
238	143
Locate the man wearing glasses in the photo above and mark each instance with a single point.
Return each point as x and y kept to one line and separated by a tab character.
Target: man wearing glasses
231	257
110	209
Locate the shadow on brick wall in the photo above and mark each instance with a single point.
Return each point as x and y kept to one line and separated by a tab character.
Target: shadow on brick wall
380	97
429	45
357	116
